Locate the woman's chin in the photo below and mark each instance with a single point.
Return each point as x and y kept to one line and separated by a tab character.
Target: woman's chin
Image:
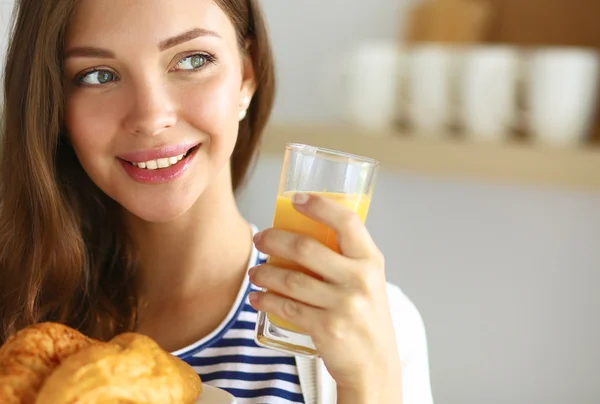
159	212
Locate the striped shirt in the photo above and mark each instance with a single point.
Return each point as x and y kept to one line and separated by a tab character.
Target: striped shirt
230	359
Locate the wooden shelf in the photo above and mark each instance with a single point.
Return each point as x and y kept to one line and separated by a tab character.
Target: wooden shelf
571	167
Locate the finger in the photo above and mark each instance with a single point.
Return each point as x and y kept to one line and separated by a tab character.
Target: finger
294	284
299	314
352	236
304	251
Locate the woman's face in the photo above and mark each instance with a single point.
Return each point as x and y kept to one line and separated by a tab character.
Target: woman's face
154	93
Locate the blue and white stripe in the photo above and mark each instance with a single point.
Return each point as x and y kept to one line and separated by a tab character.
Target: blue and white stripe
230	359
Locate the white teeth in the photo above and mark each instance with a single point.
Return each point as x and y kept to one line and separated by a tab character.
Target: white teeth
163	163
160	163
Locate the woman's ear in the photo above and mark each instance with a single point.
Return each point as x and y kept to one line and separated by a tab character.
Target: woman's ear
248	77
248	80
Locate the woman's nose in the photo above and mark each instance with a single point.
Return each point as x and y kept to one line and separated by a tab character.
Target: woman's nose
151	110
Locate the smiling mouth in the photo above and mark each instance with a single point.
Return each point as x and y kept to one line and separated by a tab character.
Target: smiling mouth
161	163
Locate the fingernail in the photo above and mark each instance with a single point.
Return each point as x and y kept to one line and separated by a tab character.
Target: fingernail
257	236
251	271
253	298
300	198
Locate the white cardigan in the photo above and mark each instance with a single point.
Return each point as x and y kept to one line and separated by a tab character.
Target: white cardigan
318	387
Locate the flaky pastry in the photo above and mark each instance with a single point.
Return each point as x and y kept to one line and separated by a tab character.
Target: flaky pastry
31	355
53	364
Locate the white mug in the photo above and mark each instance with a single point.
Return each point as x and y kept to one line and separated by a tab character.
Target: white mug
488	88
562	93
370	80
432	88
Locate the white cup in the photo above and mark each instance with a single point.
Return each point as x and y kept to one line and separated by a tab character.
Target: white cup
370	79
488	88
562	93
432	88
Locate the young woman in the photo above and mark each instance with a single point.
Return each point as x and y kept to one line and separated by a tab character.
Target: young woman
128	126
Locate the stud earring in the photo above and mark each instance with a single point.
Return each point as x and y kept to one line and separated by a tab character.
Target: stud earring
245	102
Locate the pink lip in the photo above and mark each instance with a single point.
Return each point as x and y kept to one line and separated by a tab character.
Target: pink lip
155	154
160	175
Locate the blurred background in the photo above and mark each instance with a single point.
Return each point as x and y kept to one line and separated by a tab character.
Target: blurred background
484	115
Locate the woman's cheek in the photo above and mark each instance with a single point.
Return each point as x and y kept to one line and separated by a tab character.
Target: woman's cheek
212	100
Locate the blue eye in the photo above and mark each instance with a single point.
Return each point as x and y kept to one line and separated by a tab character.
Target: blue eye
194	62
97	77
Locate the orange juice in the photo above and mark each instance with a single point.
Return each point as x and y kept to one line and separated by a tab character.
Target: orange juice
288	218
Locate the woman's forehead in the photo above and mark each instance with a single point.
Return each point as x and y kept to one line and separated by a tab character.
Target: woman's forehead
139	22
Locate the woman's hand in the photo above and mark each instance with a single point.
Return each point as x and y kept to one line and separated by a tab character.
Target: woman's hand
346	313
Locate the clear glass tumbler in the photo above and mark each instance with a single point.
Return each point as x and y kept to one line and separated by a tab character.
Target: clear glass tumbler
346	178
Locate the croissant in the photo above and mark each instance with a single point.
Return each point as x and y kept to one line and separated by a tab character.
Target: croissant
131	368
31	355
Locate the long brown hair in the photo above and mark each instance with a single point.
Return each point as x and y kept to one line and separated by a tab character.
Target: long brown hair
63	254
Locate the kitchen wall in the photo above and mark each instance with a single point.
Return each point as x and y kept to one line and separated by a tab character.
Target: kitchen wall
505	277
6	7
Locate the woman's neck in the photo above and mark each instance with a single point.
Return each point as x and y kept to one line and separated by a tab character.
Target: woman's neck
206	249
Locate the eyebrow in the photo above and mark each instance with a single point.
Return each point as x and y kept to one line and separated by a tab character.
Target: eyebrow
186	36
89	52
93	52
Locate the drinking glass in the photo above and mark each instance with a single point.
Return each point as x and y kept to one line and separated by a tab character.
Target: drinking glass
345	178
